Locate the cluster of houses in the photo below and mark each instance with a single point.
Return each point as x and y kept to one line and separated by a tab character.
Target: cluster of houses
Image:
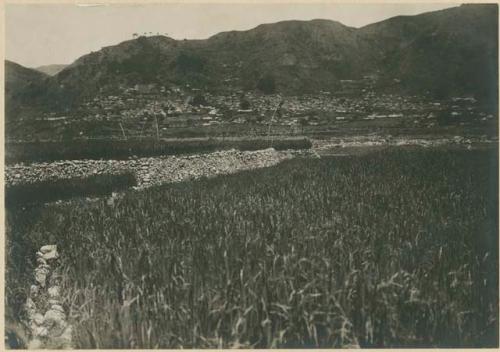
187	106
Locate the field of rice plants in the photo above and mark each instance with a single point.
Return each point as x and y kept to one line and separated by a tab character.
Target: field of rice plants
397	248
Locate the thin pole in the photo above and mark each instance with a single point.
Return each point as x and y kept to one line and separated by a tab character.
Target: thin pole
157	128
123	131
272	119
142	129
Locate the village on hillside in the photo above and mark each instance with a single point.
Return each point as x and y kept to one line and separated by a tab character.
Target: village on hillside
140	107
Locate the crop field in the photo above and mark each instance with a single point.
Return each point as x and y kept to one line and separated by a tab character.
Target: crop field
397	248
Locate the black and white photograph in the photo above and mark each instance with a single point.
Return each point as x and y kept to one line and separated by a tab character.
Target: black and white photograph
250	175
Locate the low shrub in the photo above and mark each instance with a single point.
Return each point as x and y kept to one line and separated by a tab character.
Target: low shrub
123	149
49	191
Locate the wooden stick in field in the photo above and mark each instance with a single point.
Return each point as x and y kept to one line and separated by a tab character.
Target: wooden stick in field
123	131
272	119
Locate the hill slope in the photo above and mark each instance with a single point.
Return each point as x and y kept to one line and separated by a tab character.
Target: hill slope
453	51
298	56
22	86
18	77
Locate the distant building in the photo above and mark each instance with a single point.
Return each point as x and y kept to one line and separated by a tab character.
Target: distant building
144	88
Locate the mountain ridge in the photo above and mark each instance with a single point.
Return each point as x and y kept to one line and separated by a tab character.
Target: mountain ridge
450	51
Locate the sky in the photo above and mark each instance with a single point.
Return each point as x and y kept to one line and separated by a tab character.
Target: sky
45	34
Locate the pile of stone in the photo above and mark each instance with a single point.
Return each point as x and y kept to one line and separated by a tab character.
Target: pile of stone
48	327
151	171
155	171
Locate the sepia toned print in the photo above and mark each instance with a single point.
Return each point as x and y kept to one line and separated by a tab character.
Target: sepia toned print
251	175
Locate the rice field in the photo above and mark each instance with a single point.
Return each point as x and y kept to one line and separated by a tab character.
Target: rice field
397	248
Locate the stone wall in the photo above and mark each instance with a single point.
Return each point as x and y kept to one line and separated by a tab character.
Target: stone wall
152	171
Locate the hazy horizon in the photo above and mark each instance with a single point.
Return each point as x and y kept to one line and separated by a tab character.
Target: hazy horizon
38	35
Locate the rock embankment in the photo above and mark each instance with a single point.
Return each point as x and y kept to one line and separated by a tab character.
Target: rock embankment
47	323
151	171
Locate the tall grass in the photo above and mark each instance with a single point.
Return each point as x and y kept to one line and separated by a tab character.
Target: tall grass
391	249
